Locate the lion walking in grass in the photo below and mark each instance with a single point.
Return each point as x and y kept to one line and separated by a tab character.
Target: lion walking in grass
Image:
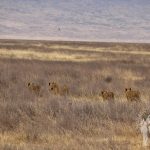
35	88
132	95
107	95
58	90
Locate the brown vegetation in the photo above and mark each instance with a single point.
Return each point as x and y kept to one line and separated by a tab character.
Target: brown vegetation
80	120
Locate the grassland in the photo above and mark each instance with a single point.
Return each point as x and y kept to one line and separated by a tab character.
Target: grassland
29	122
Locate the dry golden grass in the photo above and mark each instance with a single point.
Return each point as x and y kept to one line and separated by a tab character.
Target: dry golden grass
128	138
81	120
53	56
76	52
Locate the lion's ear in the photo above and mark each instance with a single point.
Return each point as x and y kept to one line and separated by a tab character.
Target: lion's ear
130	89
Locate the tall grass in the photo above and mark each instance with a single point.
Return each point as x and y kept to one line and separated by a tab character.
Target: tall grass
80	120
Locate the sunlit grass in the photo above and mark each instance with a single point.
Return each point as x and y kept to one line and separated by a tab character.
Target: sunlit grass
48	122
68	140
74	53
51	56
121	50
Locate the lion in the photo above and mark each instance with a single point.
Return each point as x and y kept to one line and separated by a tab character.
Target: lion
132	95
54	88
58	90
107	95
34	88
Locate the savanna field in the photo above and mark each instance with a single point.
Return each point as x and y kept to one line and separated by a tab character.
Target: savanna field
80	119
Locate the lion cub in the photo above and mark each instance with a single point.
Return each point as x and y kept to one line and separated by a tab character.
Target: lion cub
58	90
107	95
34	88
132	95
